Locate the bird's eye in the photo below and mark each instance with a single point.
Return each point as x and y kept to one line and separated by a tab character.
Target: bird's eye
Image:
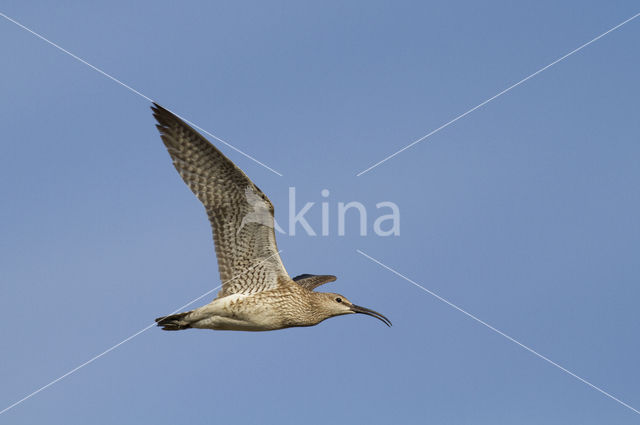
339	299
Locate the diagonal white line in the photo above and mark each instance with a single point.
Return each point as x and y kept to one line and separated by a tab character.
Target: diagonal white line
129	338
131	89
499	332
480	105
76	369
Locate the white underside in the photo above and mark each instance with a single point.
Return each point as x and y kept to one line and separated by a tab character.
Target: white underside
227	314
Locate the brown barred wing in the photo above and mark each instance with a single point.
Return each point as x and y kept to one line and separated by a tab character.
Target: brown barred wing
241	215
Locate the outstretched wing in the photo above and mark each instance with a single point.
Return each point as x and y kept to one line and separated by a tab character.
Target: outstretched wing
312	281
241	215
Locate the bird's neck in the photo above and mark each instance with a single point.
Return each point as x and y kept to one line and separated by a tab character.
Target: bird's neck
315	308
305	311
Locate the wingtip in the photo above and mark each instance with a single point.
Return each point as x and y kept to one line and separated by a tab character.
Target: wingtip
163	116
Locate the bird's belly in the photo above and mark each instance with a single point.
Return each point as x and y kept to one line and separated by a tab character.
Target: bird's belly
222	323
239	312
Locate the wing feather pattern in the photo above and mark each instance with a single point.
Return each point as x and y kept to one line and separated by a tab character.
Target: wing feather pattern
241	215
312	281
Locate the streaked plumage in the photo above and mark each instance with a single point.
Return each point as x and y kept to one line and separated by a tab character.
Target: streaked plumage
257	293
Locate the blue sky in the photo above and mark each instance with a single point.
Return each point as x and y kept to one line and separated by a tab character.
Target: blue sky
524	213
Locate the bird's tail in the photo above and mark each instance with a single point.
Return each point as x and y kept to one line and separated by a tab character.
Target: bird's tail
174	322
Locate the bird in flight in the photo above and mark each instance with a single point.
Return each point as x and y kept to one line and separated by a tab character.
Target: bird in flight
257	292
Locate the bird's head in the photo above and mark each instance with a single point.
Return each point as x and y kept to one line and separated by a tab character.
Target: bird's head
331	305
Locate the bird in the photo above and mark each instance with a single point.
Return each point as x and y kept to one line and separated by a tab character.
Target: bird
257	292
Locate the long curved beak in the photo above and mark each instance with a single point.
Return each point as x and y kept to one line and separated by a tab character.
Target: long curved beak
372	313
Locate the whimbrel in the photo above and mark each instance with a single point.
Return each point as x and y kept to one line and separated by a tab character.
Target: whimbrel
257	292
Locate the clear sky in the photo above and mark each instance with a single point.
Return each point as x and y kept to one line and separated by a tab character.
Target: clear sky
523	213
